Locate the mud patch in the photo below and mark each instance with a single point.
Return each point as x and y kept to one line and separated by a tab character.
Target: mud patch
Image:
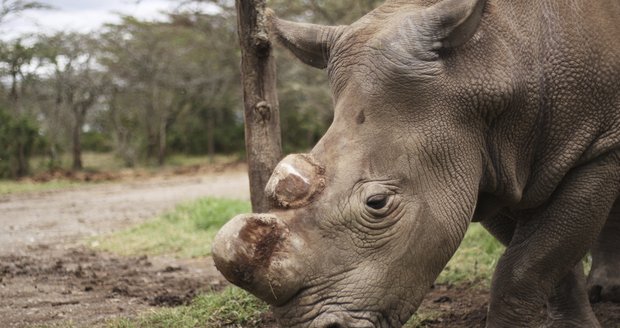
87	288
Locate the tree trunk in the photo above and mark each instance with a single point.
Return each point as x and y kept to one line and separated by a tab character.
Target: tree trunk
13	96
211	135
262	115
151	125
161	149
22	161
53	157
77	140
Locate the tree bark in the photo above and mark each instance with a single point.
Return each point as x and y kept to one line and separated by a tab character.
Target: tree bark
77	139
161	149
22	160
211	135
262	116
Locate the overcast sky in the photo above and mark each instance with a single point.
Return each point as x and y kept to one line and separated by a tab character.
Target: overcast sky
82	15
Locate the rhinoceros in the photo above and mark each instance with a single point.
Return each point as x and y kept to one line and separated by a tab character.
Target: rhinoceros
446	112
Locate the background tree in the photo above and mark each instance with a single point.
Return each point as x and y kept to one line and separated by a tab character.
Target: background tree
15	55
18	132
77	80
13	7
174	76
18	137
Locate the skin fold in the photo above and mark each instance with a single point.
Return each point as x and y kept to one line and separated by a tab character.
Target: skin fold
446	112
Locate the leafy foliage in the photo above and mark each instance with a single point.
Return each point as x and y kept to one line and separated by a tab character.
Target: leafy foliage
18	137
13	7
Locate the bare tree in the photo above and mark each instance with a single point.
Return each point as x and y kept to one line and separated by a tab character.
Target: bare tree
262	116
78	83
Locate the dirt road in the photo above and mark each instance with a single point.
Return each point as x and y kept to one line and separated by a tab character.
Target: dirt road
62	216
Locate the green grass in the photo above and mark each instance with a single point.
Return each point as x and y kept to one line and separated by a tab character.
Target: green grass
15	187
185	232
419	319
475	259
230	308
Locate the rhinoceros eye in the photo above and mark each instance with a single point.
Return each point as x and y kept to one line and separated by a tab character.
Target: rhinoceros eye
377	202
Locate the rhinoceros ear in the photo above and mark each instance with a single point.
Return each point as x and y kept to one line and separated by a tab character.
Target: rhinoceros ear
451	23
309	42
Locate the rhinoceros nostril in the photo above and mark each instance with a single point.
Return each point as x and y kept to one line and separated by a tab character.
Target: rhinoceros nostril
334	325
330	320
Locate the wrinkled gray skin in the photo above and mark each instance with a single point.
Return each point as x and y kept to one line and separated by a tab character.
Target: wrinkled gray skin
446	112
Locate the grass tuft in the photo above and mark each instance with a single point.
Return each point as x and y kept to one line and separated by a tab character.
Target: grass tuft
421	319
230	308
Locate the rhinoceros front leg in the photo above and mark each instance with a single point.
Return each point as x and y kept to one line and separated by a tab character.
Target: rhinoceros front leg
549	241
604	278
568	304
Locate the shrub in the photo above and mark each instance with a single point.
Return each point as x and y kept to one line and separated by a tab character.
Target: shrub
18	138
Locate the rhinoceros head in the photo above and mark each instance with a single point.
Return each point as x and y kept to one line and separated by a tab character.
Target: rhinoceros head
364	223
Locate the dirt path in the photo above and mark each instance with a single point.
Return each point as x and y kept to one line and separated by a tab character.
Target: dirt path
62	216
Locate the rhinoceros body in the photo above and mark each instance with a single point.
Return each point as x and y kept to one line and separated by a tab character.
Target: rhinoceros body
446	112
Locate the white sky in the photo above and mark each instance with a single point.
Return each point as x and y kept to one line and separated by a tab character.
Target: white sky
82	15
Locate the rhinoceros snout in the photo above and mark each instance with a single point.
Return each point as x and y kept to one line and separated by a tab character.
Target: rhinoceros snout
252	251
